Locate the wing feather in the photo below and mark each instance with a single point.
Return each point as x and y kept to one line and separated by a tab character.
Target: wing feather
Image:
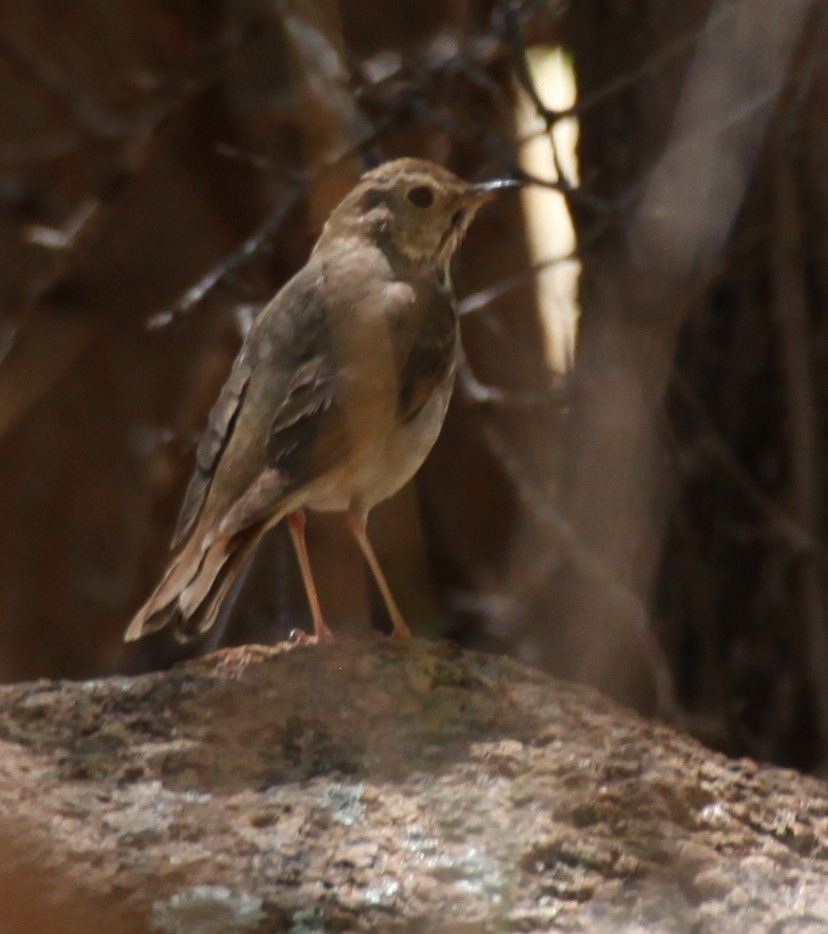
212	443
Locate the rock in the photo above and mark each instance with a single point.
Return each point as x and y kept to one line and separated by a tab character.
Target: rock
376	786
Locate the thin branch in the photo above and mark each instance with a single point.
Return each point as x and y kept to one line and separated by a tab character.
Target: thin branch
627	603
494	397
255	245
787	527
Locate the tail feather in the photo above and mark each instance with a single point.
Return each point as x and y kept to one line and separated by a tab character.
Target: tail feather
190	595
209	610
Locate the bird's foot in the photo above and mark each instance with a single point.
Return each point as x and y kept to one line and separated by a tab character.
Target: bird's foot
401	632
300	637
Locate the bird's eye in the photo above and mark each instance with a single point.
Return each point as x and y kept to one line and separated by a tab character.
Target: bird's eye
422	196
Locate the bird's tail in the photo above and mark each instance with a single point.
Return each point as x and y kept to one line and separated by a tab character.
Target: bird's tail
189	597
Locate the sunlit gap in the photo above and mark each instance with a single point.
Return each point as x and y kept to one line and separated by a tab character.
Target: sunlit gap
549	230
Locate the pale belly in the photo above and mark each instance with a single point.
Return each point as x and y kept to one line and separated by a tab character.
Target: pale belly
387	466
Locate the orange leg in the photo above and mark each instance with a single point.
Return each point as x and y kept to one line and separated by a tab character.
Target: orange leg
357	526
296	524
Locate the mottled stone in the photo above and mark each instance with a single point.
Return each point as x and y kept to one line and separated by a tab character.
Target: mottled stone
368	786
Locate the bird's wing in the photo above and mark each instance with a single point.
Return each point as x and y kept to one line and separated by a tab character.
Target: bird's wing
278	379
334	408
212	443
425	340
308	435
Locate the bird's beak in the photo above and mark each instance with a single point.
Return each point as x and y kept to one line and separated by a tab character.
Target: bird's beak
486	191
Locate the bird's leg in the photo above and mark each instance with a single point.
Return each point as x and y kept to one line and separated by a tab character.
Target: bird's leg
357	526
296	524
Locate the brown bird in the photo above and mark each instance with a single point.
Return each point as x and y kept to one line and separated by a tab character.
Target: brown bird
336	397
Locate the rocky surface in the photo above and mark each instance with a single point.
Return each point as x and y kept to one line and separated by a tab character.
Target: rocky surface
373	786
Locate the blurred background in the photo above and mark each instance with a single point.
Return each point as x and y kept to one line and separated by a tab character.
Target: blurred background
630	487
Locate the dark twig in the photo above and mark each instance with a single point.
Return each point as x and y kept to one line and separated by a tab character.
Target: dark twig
493	396
256	244
512	33
560	532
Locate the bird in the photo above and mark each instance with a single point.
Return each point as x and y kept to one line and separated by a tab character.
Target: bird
335	398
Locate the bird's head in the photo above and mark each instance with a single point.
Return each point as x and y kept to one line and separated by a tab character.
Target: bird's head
416	208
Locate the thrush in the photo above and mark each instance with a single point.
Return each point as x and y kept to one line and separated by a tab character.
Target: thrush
336	396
